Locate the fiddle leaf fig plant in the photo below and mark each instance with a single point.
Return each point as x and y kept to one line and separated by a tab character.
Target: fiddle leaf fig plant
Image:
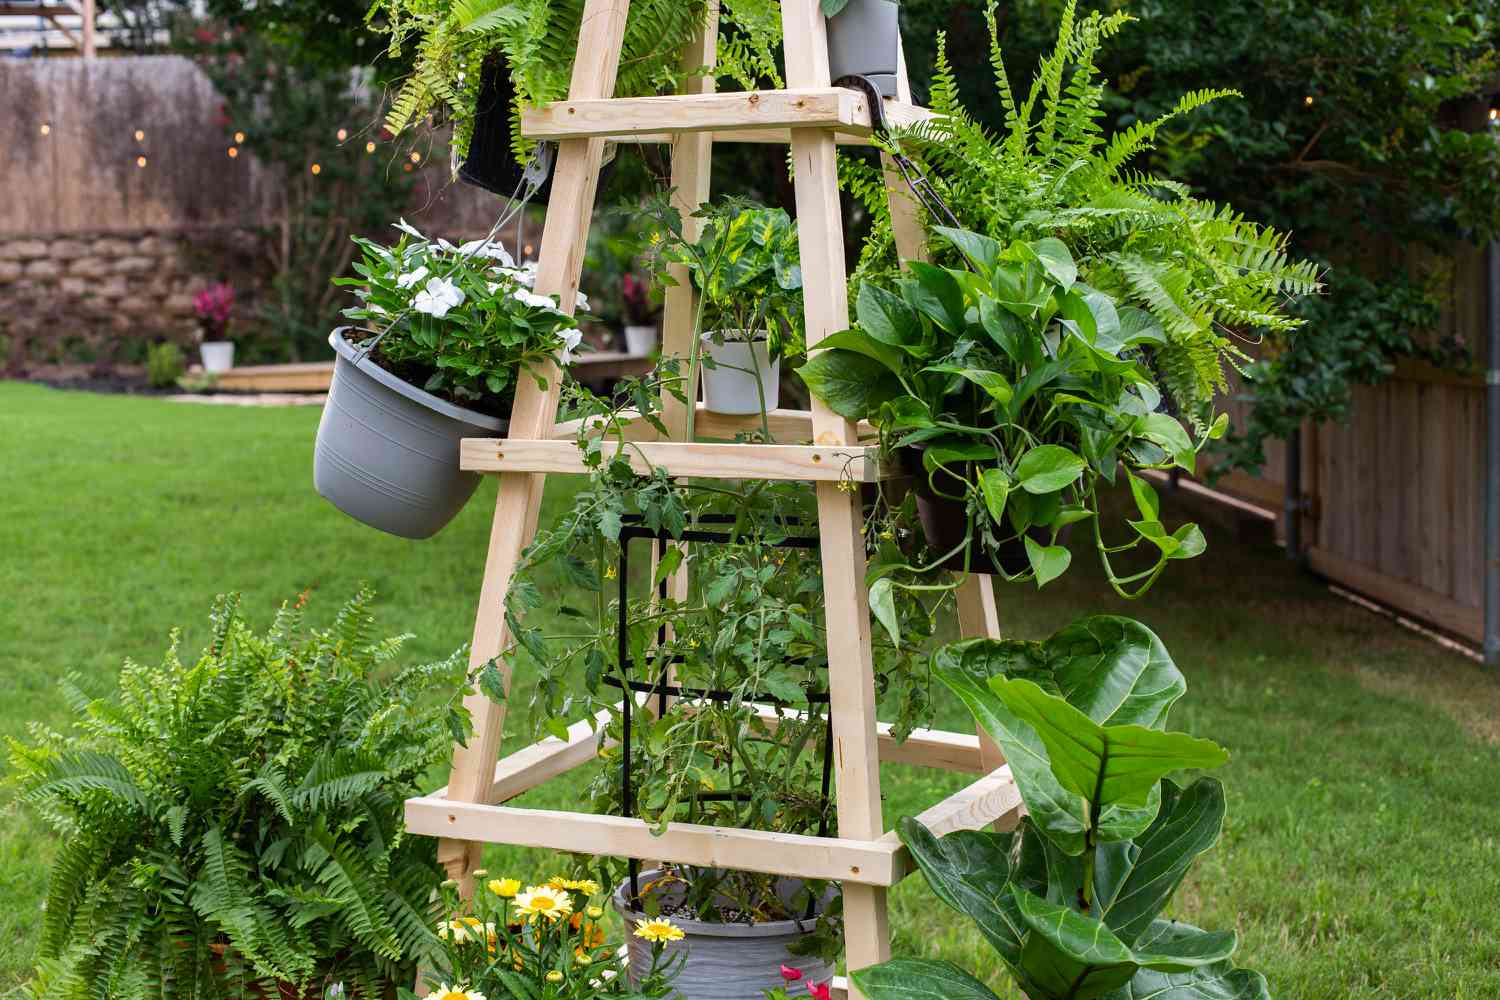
1072	900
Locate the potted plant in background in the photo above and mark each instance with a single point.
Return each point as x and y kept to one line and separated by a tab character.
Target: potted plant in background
542	941
641	313
232	824
1072	901
214	306
747	271
452	330
864	39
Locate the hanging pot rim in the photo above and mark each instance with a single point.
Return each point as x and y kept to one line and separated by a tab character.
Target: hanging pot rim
365	364
705	928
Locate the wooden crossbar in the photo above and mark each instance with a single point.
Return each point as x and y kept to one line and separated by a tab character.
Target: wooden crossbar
834	464
786	426
746	116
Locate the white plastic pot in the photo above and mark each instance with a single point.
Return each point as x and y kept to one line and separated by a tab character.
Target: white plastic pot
742	372
216	355
640	341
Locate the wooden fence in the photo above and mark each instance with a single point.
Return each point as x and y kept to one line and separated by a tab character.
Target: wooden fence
1394	497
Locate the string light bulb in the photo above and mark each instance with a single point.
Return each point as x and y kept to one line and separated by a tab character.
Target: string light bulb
140	161
1308	100
239	137
234	151
343	134
370	147
140	136
46	128
526	251
416	157
1495	114
316	169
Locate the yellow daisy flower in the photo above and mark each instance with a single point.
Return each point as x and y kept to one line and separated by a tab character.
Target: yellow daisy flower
586	886
505	888
446	992
544	901
595	912
658	930
456	929
554	976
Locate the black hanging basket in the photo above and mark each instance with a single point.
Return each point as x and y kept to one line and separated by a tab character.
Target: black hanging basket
491	164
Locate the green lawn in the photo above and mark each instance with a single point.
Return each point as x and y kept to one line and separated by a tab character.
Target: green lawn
1361	851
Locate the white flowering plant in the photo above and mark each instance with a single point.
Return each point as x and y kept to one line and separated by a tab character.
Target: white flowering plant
543	942
461	322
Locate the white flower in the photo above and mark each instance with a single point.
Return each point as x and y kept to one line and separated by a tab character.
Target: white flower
582	301
534	300
455	992
410	230
524	275
411	278
487	248
438	297
444	245
571	339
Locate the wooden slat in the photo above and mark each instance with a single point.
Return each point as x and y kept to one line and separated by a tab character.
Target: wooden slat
993	798
1415	601
936	748
314	376
827	464
786	426
518	500
872	863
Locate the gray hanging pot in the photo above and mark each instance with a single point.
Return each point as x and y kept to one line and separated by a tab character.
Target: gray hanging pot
725	961
864	39
387	452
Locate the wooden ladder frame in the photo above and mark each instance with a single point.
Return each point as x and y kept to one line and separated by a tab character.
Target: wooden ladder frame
812	117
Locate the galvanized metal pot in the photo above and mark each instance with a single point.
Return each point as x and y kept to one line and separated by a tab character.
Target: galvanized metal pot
726	961
387	452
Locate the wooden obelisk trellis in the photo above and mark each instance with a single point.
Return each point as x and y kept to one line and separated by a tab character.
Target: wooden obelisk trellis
810	116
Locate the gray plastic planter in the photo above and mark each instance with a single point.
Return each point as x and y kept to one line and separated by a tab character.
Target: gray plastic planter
864	39
387	452
727	961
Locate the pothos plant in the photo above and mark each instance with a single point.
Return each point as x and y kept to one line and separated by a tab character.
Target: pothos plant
749	631
1072	901
1012	391
535	41
461	322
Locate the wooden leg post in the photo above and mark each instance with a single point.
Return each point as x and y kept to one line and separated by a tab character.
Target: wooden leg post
518	504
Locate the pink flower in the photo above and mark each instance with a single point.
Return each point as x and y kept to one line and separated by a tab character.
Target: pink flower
820	991
790	974
214	305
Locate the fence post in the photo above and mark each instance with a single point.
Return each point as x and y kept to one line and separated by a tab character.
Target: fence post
1492	464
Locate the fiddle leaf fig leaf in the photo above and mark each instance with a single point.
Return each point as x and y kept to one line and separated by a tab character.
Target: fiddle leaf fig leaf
919	979
970	871
1218	981
1106	765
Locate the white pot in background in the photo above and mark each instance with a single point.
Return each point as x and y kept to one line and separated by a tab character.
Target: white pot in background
640	340
743	371
216	355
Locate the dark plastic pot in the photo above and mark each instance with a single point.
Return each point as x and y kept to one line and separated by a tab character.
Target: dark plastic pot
945	521
725	961
387	452
490	163
864	39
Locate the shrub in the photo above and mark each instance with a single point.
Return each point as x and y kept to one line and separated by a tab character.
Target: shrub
165	364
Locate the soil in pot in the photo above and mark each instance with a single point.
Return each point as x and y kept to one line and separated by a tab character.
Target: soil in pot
387	452
729	960
945	522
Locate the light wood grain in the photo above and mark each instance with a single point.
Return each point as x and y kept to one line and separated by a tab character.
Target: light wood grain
868	863
1409	598
855	463
786	426
519	497
701	112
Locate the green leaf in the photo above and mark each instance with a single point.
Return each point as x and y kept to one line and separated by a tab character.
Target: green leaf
970	870
1007	331
1069	954
852	385
1048	561
1219	981
994	485
1218	427
1055	259
492	683
1048	468
919	979
671	559
1168	432
1146	500
1190	542
883	604
1137	326
861	342
991	382
982	251
888	318
1103	764
936	294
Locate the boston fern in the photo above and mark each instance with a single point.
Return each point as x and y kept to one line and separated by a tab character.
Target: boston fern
234	822
1202	271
